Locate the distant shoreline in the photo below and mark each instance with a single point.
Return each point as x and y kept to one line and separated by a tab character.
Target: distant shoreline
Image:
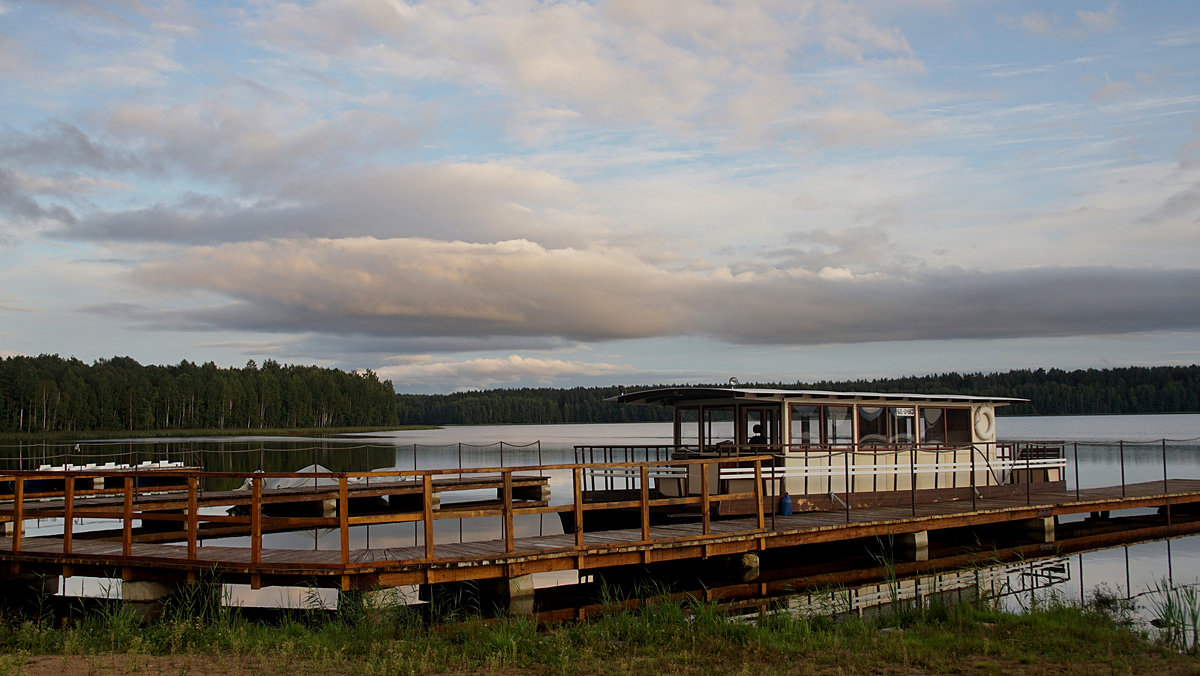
117	435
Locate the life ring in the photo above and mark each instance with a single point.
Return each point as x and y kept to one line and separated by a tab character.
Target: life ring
985	423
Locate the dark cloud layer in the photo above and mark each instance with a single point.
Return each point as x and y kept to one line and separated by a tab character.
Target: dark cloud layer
422	290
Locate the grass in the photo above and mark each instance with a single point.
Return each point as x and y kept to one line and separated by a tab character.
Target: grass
197	635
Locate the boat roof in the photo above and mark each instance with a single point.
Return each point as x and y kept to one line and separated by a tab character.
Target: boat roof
671	396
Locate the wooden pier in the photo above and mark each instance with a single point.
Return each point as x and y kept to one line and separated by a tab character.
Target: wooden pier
164	533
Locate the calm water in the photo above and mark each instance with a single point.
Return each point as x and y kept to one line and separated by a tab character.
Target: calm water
1095	459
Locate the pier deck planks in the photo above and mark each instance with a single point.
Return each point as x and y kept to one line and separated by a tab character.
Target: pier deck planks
600	548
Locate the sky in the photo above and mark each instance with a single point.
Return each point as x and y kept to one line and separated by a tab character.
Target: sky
461	195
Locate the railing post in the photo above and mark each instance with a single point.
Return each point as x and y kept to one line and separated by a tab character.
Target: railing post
68	511
127	518
18	512
193	522
344	518
704	516
1076	446
758	495
1028	479
912	478
846	482
255	519
645	502
1122	446
427	499
508	511
1166	489
974	501
577	504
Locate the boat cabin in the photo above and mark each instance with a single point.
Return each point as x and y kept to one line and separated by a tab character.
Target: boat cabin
829	447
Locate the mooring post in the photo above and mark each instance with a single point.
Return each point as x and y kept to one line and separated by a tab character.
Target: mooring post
704	517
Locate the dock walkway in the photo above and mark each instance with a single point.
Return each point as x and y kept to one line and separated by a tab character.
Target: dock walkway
122	555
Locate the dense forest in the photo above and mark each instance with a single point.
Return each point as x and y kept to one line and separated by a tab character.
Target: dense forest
1161	389
51	394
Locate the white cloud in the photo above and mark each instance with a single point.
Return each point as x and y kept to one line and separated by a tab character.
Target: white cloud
1098	21
1039	22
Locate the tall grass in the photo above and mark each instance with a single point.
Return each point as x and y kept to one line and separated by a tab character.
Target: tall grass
1177	615
663	633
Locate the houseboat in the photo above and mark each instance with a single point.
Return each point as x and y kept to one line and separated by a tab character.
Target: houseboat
828	450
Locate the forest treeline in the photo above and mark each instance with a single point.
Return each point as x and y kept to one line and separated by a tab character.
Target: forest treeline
1159	389
52	394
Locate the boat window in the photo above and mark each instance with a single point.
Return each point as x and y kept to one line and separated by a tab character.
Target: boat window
933	425
886	424
812	424
718	425
958	425
945	425
902	424
839	425
872	425
806	424
687	421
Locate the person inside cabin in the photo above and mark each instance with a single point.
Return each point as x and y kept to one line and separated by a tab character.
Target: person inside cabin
758	437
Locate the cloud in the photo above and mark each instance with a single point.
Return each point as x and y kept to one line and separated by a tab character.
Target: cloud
491	371
1039	22
472	201
1098	21
856	127
1114	90
424	288
18	205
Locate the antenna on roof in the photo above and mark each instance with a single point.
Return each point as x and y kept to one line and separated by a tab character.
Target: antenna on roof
733	382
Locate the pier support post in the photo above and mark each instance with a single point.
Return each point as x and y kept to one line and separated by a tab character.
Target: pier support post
146	597
511	594
1040	529
913	546
504	595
